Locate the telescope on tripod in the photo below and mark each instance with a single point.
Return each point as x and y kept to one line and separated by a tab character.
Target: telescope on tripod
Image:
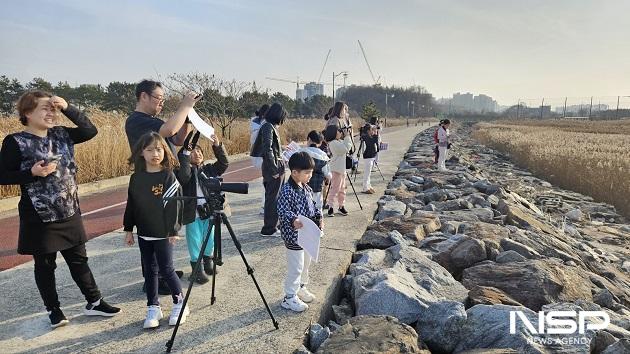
213	189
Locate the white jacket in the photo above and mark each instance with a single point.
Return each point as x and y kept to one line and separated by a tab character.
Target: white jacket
339	149
443	135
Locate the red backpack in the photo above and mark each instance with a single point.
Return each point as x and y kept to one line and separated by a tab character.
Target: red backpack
435	136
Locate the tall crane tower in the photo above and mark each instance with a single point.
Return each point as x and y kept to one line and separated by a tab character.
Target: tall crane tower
376	80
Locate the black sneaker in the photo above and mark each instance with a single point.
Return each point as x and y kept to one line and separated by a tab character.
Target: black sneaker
102	309
57	318
331	212
342	211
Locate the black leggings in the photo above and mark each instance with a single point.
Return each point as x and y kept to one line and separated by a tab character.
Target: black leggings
77	261
157	258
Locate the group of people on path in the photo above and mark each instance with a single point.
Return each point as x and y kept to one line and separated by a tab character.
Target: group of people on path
40	159
323	161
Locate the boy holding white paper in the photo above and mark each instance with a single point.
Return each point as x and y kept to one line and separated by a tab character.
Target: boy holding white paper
296	198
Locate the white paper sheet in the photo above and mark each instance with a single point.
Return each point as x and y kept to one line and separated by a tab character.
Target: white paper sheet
204	128
309	236
292	148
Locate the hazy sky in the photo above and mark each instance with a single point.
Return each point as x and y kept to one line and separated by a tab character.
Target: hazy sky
506	49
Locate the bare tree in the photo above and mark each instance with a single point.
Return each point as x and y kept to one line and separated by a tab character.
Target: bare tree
221	98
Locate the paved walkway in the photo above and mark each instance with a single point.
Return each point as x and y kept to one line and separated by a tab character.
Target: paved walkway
236	323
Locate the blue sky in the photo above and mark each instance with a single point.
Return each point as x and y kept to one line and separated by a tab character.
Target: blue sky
506	49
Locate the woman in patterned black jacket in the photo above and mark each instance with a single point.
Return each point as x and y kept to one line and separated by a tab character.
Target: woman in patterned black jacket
41	160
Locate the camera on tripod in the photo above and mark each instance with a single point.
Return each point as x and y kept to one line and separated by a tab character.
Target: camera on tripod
212	189
216	185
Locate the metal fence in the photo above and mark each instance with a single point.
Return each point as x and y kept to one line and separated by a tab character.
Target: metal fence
578	108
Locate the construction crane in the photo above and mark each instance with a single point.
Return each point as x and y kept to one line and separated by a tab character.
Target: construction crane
319	79
297	82
376	80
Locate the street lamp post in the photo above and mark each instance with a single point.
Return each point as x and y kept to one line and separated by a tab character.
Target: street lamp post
386	94
345	73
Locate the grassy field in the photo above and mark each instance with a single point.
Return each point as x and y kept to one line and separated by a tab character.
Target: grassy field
105	156
590	157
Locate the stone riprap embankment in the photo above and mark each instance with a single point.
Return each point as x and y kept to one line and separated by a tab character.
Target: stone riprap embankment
450	255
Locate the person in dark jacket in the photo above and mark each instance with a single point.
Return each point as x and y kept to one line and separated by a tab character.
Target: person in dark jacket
369	154
157	219
321	170
196	228
267	146
41	160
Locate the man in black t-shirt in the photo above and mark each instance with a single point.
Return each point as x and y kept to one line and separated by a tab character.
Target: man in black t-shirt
150	101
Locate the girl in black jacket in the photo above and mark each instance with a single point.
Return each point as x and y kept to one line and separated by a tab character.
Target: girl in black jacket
156	218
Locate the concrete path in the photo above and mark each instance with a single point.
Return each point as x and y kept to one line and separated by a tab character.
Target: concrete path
236	323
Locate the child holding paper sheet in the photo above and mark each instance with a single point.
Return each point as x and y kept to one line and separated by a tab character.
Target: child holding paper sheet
296	198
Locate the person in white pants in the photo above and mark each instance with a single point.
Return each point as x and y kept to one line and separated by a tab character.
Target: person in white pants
255	123
443	135
369	154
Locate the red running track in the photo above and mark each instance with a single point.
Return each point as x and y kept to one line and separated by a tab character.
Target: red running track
102	213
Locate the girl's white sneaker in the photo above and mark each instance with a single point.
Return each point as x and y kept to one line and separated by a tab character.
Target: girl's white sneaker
154	315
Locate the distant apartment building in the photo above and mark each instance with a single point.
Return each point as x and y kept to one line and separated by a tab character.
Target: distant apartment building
300	94
467	102
313	89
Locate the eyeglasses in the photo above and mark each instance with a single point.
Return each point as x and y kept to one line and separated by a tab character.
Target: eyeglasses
159	99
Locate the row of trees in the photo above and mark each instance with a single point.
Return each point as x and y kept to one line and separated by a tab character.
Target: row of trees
116	96
225	100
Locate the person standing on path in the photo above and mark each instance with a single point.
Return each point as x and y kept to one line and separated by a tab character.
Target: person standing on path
41	160
196	227
296	198
254	127
157	177
267	146
443	144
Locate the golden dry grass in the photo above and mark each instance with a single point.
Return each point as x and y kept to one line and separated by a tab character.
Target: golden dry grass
105	156
591	157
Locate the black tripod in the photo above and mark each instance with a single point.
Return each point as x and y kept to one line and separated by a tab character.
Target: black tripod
213	210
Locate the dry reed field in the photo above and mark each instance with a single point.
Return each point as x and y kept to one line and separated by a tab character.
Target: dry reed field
591	157
106	155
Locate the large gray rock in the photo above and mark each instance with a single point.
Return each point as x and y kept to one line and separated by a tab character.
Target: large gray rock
575	215
461	254
525	251
509	256
533	283
367	260
439	325
485	295
391	208
415	228
317	335
621	347
392	292
374	239
488	326
601	341
372	334
429	275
